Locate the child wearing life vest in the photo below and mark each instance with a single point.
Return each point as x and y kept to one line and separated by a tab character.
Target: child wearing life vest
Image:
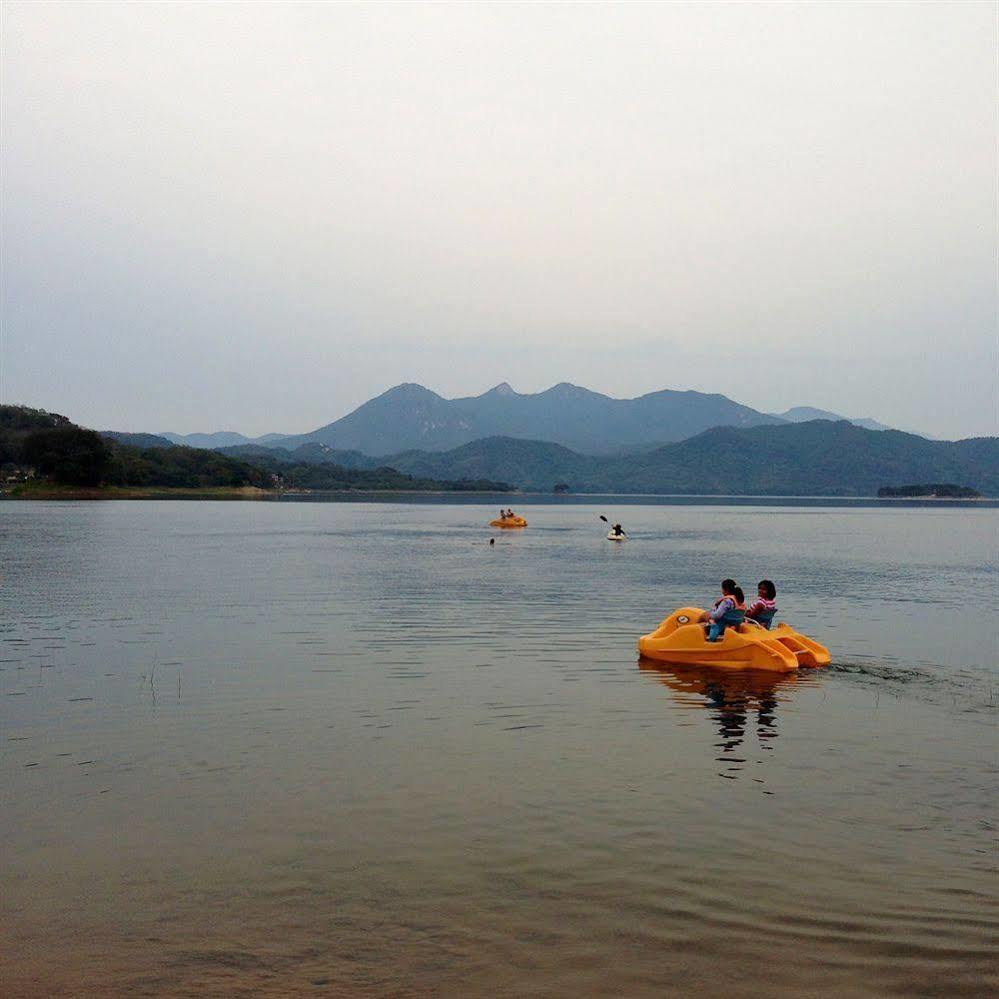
764	607
729	610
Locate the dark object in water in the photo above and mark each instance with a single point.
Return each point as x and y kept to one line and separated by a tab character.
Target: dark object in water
932	490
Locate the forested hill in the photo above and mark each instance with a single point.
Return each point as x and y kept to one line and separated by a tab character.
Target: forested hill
48	447
138	440
819	458
36	446
293	473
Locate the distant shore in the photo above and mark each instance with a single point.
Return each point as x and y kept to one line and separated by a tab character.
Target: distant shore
52	491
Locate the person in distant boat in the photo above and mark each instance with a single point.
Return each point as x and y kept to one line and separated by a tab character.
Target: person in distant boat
729	610
502	515
764	607
618	531
509	514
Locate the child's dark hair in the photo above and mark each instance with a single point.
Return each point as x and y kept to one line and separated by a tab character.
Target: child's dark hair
769	590
739	595
728	586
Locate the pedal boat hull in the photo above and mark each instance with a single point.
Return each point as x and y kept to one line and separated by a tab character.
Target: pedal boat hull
680	639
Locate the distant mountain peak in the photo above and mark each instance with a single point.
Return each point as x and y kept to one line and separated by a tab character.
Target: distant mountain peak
567	390
409	389
504	388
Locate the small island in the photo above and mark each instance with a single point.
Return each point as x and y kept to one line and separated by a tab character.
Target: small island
933	490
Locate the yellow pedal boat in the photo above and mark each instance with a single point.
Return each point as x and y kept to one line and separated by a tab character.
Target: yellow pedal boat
508	522
680	639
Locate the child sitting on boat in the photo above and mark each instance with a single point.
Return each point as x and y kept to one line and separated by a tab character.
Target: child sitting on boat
764	607
729	610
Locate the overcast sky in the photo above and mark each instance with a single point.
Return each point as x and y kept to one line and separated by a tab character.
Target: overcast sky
256	217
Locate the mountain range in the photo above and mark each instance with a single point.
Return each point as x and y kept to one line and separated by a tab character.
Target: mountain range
662	442
411	417
815	458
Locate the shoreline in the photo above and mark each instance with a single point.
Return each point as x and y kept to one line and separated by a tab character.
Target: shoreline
254	493
56	492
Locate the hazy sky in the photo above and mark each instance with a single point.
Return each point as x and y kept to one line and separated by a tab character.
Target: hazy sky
255	217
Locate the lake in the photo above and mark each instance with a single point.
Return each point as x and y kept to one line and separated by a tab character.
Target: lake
308	748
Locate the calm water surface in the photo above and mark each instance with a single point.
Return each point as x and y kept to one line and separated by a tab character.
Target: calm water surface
351	749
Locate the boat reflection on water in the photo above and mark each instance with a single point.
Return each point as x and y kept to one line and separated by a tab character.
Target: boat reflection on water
736	700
